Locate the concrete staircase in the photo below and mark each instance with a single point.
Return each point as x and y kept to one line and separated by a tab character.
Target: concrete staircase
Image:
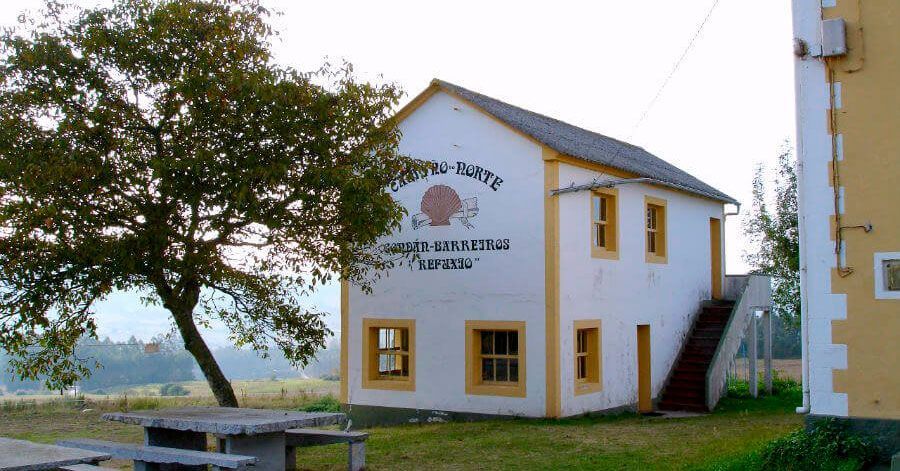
687	385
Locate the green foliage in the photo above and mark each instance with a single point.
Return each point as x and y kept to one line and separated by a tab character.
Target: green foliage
120	363
323	404
775	237
781	386
172	389
155	146
333	376
827	446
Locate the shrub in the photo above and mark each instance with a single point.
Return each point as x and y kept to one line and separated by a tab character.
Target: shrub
828	445
330	377
740	389
323	404
172	389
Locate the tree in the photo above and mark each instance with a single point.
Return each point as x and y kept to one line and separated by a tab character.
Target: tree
155	146
775	238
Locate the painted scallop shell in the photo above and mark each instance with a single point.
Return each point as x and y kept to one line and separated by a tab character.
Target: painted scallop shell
439	203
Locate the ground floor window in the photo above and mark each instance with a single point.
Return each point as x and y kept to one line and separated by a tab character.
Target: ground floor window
495	358
588	362
389	354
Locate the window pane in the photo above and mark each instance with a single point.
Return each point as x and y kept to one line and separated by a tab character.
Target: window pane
596	231
487	369
603	203
513	342
581	348
514	371
404	339
385	364
582	367
487	342
502	369
500	343
651	242
404	365
601	235
595	212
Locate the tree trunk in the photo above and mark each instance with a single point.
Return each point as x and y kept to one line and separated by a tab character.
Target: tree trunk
193	342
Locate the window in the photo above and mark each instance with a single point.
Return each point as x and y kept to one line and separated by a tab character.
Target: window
588	363
495	358
389	354
656	230
604	230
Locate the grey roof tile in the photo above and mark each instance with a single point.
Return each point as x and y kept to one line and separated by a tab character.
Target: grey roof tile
587	145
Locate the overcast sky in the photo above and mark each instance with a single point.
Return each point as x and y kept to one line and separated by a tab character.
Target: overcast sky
594	64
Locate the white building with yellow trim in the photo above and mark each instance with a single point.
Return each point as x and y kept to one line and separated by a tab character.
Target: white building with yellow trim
555	271
848	125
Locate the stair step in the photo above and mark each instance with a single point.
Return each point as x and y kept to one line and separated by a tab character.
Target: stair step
690	373
702	331
690	349
697	360
681	383
692	407
684	395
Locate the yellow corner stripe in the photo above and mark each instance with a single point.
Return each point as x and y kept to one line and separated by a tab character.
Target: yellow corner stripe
551	282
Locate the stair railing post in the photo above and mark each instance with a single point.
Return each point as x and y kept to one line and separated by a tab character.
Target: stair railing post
767	348
752	356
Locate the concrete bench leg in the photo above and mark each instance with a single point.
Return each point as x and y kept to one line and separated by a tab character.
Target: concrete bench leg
357	456
290	458
144	466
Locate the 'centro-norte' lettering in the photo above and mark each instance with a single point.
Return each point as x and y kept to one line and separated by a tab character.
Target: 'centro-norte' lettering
477	172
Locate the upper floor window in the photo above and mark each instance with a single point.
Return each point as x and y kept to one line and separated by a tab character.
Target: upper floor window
604	227
655	224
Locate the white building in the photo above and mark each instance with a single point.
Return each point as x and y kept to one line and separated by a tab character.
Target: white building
558	271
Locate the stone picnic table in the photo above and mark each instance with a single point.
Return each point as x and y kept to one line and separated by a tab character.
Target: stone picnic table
251	432
21	455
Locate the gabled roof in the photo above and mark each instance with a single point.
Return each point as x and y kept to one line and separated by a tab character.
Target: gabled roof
576	142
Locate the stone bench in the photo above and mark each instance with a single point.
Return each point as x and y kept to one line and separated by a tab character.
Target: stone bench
145	457
303	437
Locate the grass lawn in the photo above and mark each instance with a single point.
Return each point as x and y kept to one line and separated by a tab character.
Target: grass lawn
603	442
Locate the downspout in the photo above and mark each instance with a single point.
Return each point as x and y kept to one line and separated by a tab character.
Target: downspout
804	304
802	53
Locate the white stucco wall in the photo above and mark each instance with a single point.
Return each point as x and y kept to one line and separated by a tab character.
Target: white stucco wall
500	285
629	291
817	260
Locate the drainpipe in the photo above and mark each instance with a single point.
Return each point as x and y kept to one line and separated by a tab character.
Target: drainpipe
804	303
799	94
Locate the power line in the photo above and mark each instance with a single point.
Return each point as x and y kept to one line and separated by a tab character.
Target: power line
674	69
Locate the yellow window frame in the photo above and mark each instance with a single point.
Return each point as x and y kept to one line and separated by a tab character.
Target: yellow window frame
658	233
372	377
474	383
587	345
609	224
